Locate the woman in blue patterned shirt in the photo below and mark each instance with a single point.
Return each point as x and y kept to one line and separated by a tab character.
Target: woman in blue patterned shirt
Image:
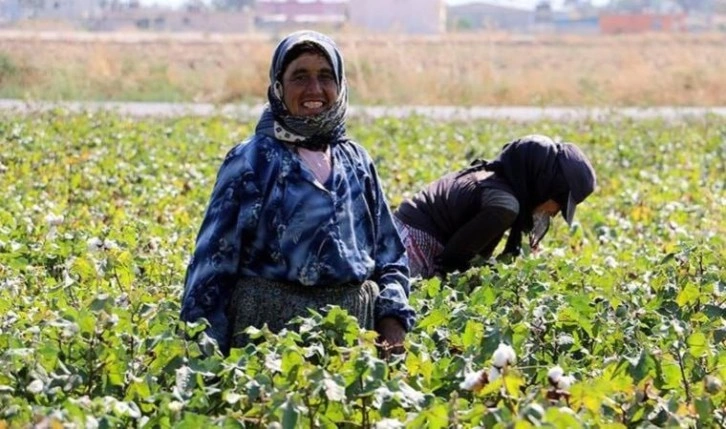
297	218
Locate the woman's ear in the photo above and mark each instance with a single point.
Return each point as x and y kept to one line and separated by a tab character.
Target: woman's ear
278	90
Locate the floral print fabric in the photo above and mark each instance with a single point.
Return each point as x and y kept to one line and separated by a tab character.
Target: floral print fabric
269	217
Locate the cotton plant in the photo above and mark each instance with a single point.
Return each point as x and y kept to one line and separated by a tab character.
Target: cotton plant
557	378
503	357
559	384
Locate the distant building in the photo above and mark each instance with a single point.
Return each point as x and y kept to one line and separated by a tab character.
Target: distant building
491	16
575	17
578	25
640	22
160	19
402	16
67	10
291	13
9	11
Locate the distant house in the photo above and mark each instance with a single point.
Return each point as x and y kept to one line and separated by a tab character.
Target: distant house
640	22
491	16
578	25
160	19
286	13
402	16
68	10
9	11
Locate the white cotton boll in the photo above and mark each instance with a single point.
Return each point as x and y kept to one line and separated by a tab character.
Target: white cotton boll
53	220
565	340
95	244
109	245
554	374
631	287
91	422
83	401
568	410
539	312
494	374
677	327
389	424
565	382
610	262
175	406
504	355
558	253
35	386
473	381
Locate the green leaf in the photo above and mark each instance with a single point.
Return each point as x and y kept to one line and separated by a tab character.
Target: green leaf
645	368
670	375
432	286
561	418
290	413
437	317
697	344
704	408
512	384
291	360
473	332
688	296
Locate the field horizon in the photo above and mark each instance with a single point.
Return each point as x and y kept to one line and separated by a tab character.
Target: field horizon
456	69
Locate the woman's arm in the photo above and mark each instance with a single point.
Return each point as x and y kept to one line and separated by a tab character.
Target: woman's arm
214	266
391	272
481	232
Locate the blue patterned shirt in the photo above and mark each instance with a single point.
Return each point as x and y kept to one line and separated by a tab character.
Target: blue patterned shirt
269	217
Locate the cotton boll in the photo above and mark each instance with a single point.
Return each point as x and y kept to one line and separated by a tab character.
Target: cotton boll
504	355
389	424
494	374
565	340
175	406
474	381
35	386
539	312
554	374
95	244
53	220
610	262
565	382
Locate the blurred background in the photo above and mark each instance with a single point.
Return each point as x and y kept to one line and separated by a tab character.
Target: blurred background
424	52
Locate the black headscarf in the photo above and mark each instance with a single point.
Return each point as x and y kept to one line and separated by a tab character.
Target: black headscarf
310	132
530	167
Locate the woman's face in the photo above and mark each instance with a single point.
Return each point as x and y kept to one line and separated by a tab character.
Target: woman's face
550	207
308	85
541	221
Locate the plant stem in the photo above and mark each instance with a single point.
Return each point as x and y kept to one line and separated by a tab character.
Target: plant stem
686	386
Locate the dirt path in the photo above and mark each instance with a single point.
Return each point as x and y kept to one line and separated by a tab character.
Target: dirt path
444	113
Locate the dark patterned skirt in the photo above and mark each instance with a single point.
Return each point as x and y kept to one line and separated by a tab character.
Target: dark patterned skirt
256	301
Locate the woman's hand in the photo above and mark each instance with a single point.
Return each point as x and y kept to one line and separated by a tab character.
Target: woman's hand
392	335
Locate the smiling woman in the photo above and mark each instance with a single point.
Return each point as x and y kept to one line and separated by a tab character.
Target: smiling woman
297	219
309	85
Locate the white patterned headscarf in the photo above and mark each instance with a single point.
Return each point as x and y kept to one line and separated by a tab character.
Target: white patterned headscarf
310	132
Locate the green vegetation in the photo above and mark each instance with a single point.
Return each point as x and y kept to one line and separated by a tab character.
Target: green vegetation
99	214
